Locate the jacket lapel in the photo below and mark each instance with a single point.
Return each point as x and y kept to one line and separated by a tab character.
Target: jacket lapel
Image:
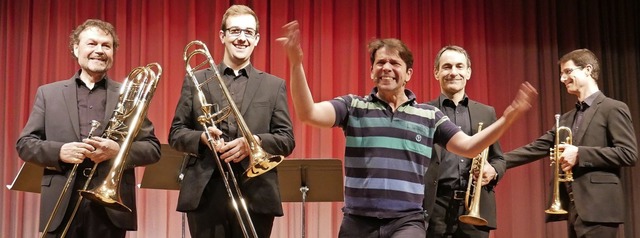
70	95
475	119
586	119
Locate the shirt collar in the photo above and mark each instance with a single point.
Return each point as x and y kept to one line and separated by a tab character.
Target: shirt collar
100	84
444	100
581	106
226	70
410	96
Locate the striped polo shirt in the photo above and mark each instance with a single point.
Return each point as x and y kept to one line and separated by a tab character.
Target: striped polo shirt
387	152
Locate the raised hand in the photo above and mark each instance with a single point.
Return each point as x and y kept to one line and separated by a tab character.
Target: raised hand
291	42
523	101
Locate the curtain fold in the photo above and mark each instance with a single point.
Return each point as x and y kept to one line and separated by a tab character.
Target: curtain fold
509	42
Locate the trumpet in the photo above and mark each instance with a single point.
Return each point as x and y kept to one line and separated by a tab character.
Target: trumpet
473	215
260	161
558	177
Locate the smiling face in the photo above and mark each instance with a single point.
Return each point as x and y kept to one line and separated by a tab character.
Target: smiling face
389	72
94	52
452	72
238	40
575	78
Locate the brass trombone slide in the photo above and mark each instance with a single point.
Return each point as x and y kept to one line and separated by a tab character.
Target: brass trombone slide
94	125
260	161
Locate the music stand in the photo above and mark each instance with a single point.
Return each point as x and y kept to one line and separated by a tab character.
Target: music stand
313	180
28	178
166	173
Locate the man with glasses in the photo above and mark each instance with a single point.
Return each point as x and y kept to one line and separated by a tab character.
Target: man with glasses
603	142
262	100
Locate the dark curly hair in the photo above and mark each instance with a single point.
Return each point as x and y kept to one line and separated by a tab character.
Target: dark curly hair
74	38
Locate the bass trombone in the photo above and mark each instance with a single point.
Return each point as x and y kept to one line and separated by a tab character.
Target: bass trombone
558	177
126	120
473	215
135	96
260	161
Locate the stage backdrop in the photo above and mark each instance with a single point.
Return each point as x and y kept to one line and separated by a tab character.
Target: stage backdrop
509	42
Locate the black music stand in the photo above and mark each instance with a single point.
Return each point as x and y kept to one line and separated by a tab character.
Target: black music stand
165	174
28	178
313	180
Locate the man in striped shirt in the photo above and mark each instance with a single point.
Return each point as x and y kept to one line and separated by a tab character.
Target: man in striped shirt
389	138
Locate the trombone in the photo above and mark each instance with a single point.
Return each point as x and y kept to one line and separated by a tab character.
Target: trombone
135	96
473	215
260	161
126	120
94	125
567	177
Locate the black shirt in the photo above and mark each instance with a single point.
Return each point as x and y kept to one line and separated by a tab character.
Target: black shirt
91	104
454	169
236	84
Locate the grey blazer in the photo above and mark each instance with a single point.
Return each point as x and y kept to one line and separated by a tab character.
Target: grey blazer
53	122
606	144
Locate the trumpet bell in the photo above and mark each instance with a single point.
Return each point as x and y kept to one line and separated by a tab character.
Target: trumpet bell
556	208
105	196
473	219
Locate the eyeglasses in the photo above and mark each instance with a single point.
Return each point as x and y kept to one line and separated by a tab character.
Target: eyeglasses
564	74
235	32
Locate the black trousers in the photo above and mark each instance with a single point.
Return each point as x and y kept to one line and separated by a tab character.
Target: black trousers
582	229
444	221
216	217
91	219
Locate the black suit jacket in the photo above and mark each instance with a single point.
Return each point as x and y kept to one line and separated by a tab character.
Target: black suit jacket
605	144
478	113
265	111
53	122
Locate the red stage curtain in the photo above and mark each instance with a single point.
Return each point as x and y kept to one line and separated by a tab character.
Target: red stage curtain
509	42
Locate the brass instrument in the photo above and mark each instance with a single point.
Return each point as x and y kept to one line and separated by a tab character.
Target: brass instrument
558	177
260	161
473	215
94	125
127	118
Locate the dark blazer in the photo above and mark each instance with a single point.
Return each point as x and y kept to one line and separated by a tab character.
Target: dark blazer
606	144
53	122
478	113
266	113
